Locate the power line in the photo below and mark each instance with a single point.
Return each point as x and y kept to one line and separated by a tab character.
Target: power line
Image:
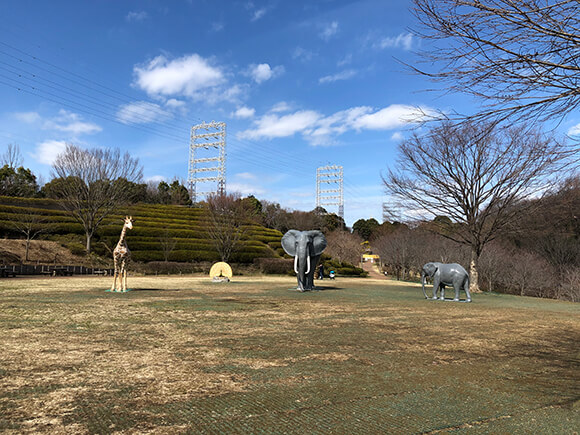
98	106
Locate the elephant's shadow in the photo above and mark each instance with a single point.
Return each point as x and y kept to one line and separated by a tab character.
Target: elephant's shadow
318	288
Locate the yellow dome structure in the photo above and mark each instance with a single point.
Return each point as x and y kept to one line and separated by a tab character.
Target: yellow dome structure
221	270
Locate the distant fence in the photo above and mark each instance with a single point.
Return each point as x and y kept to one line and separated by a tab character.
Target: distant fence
26	269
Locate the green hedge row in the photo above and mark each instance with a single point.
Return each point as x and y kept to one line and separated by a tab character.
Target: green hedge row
178	255
10	211
7	228
43	203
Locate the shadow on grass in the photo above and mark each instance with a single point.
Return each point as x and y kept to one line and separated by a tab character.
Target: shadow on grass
553	367
146	290
316	289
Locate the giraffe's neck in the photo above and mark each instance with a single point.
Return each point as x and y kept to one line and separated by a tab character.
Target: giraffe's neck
122	238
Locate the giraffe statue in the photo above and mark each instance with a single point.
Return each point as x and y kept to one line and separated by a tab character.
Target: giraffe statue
121	256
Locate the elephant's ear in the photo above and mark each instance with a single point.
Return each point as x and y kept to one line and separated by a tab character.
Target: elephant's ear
289	242
432	269
319	242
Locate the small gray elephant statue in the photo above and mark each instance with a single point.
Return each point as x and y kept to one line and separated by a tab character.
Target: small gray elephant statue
306	248
452	274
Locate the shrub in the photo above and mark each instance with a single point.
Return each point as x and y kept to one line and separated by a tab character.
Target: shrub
277	266
170	267
76	248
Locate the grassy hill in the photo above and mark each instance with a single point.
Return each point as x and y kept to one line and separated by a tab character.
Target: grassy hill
184	229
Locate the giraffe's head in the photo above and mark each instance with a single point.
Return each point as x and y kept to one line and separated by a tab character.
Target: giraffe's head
129	222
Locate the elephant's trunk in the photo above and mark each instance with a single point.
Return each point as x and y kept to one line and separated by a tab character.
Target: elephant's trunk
423	283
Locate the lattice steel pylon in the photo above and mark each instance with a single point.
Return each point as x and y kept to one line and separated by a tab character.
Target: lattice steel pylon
335	196
207	139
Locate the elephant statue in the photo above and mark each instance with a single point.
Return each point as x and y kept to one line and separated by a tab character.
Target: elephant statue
452	274
306	248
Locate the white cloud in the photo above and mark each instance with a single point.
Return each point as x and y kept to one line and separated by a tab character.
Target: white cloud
273	126
302	54
258	14
394	116
184	76
172	103
322	130
335	124
244	113
136	16
246	176
262	72
65	121
343	75
28	117
142	112
232	94
345	60
574	131
47	151
329	30
282	106
403	40
217	26
246	189
397	136
69	122
155	179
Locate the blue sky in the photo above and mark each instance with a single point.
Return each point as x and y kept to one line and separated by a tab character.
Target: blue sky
300	84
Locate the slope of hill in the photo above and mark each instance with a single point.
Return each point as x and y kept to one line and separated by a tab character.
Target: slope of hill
160	232
44	252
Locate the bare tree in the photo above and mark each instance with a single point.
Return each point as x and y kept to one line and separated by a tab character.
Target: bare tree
569	288
493	265
398	251
12	157
521	57
88	184
167	243
528	273
344	246
228	216
30	225
475	175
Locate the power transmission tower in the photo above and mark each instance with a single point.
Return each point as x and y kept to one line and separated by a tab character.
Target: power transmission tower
334	196
207	156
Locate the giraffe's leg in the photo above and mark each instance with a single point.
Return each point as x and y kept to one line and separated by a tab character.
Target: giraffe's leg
115	273
125	268
123	276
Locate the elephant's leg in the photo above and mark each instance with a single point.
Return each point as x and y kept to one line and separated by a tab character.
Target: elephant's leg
435	287
466	288
457	288
300	283
310	280
442	294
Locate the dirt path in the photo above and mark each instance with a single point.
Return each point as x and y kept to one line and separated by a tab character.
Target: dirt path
373	270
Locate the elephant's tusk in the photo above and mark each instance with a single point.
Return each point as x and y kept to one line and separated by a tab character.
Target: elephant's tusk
296	264
307	265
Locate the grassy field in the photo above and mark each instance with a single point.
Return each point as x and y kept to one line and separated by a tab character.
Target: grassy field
183	354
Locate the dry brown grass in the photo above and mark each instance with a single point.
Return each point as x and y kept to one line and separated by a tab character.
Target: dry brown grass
185	354
41	252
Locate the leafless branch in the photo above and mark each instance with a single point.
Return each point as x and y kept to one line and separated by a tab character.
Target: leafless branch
520	57
88	183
